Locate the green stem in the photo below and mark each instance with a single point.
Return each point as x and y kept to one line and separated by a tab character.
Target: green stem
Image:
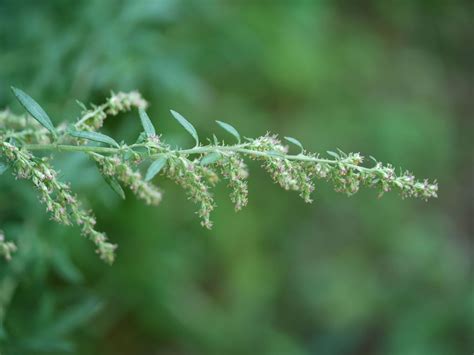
70	148
241	148
91	114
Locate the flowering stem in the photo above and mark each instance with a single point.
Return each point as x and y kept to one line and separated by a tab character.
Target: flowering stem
240	148
195	169
70	148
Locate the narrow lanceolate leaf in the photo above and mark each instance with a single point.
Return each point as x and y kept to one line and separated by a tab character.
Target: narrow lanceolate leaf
155	168
34	109
146	123
230	129
115	185
333	154
211	158
187	125
94	136
3	167
295	142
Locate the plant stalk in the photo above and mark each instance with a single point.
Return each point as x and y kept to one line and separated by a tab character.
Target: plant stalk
240	148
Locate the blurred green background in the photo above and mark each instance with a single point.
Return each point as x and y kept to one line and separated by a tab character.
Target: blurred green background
358	275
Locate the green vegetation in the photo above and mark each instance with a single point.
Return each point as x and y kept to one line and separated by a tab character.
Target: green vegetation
356	275
119	164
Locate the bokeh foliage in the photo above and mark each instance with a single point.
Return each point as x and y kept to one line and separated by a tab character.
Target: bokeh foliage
341	276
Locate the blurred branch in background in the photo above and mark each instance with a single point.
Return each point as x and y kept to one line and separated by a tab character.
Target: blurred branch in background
342	277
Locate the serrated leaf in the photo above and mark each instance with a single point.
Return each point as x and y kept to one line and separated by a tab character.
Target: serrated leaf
94	136
3	167
155	168
295	142
146	123
333	154
211	158
34	109
187	125
230	129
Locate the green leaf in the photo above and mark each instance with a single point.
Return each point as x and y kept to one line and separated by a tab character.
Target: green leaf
341	153
3	167
333	154
81	105
146	123
211	158
230	129
94	136
155	168
34	109
187	125
114	185
295	142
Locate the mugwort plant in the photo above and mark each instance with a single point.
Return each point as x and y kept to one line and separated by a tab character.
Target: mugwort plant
196	169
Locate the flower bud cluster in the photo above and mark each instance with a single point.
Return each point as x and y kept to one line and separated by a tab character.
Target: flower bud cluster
9	120
24	127
114	166
268	143
345	172
235	171
92	119
62	205
125	101
194	179
347	176
289	174
385	179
